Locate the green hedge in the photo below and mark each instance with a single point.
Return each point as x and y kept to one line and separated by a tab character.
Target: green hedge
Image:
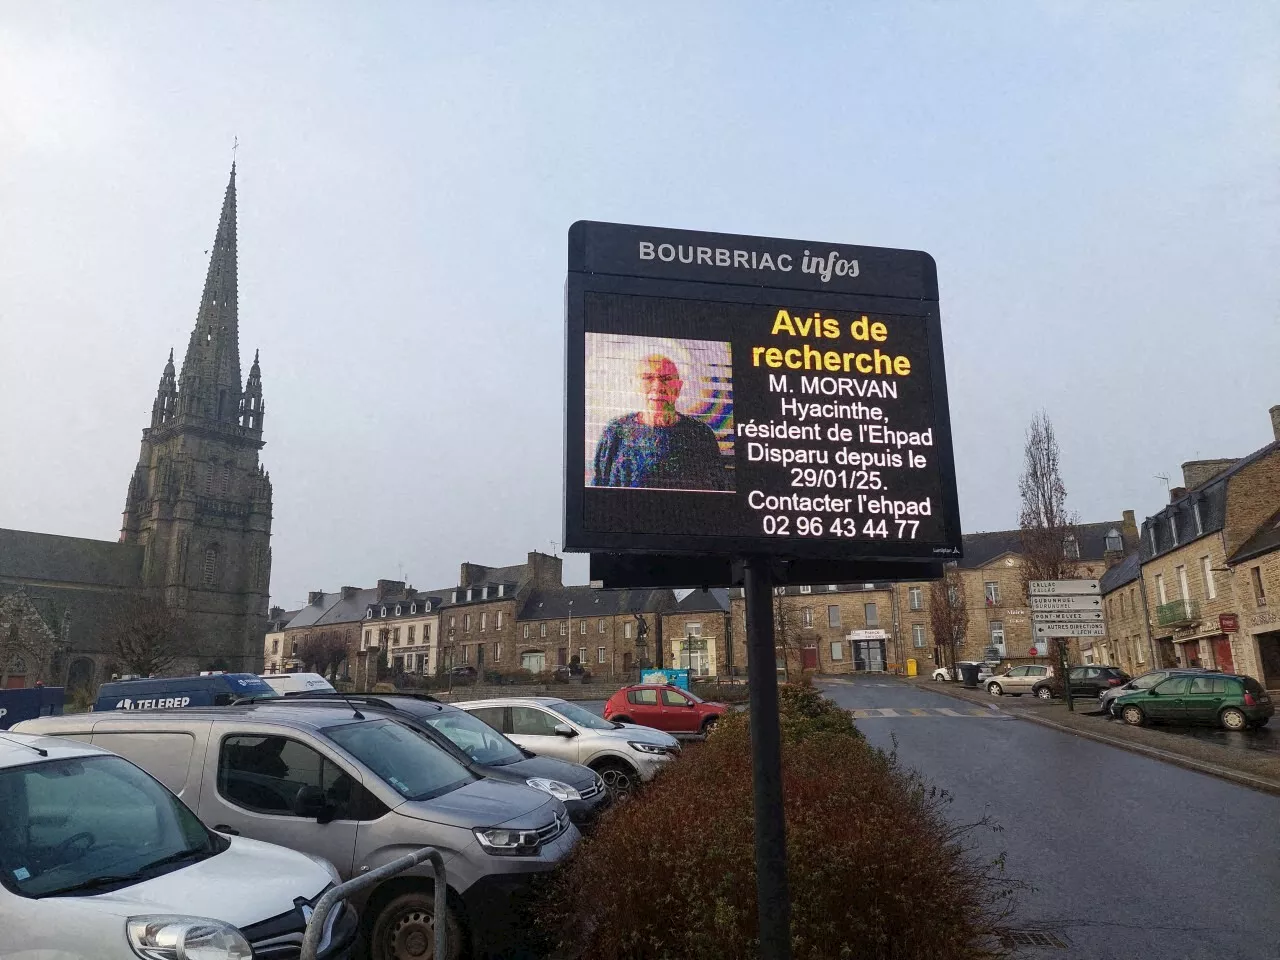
876	871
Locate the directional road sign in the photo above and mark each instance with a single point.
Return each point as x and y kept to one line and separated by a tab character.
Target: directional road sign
1057	588
1066	603
1068	616
1070	630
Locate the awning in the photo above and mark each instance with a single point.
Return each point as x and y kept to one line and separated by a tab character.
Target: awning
1198	636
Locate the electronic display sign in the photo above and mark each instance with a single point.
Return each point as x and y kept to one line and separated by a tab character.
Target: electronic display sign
735	396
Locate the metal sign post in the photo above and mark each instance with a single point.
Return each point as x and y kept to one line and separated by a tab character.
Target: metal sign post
1065	609
772	898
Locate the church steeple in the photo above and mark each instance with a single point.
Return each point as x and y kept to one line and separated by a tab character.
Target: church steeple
165	407
251	407
210	383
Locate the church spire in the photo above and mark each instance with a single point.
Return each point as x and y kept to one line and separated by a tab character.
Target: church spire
210	382
251	407
165	407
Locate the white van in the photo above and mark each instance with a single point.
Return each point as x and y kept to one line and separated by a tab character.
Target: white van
287	684
98	859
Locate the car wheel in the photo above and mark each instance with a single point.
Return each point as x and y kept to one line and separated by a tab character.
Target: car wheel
1233	719
405	930
995	689
619	778
1044	693
708	725
1133	716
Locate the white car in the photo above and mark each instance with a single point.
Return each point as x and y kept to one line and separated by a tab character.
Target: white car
984	671
98	859
292	684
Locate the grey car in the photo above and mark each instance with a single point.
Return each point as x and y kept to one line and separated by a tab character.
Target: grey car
624	754
358	790
1017	680
1143	681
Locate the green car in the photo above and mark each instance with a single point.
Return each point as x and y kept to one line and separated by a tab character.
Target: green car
1225	700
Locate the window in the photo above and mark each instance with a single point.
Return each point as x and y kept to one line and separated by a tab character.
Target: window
1208	685
293	652
626	630
582	628
468	594
833	615
484	622
368	614
526	631
1173	529
498	625
832	588
275	645
405	759
837	650
502	589
497	652
1121	606
645	698
466	653
873	617
490	715
915	598
1070	548
1259	593
693	629
264	774
395	636
209	573
383	612
806	617
1160	593
542	629
600	655
1210	588
996	628
451	624
674	698
484	593
397	609
412	632
806	589
1152	530
564	629
599	626
1173	687
1115	542
917	635
453	596
582	654
1195	509
466	623
532	722
993	592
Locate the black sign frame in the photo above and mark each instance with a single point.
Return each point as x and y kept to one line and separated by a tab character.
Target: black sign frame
597	265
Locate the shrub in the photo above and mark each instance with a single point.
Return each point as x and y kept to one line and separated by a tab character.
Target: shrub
875	870
720	692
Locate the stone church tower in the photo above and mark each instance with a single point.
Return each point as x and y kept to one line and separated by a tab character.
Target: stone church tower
199	503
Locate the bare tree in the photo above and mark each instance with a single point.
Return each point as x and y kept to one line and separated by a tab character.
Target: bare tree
323	653
1049	545
949	613
147	636
787	631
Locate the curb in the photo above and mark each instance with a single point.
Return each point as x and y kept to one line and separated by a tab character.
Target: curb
1261	784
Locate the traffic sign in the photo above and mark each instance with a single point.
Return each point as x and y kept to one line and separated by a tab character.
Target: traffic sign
1057	588
1070	630
1066	603
1068	616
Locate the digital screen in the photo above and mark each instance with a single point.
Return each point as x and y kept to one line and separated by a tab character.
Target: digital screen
756	423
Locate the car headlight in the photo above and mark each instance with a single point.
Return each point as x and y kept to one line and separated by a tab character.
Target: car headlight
647	747
561	791
161	937
502	842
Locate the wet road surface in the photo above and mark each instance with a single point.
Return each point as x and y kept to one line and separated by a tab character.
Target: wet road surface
1129	858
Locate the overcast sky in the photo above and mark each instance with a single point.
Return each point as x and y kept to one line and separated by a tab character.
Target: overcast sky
1098	183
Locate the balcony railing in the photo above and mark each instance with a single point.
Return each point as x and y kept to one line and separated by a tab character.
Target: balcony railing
1179	613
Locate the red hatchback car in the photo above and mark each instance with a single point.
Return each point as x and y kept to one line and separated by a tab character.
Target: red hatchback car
663	708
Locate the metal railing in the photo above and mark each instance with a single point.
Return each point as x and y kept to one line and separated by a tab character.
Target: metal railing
1178	612
324	906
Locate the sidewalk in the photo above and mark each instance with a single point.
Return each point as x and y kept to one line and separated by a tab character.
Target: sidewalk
1261	771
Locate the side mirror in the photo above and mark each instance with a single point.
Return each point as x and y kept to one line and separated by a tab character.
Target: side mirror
1153	693
564	730
311	804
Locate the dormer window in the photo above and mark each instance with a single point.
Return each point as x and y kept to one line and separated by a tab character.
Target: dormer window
383	613
502	589
468	594
484	593
454	597
368	614
426	607
1152	530
1115	542
1173	528
1070	548
413	608
1195	509
397	609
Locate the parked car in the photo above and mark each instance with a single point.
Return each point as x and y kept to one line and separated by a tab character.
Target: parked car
1223	699
359	790
485	751
463	672
1144	681
984	671
1017	680
663	707
1087	682
294	684
623	754
98	859
174	693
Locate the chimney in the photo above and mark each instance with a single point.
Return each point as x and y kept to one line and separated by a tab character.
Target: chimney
1196	473
1177	493
390	588
1275	420
315	598
1130	529
275	613
349	592
544	570
472	575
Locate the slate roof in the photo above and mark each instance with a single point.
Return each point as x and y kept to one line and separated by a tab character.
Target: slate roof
715	600
46	556
312	612
591	602
348	611
1264	541
981	548
1124	572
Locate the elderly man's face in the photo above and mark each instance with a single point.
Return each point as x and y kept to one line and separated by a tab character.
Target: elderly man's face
661	382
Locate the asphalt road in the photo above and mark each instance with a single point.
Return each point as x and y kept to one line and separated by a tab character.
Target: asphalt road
1129	858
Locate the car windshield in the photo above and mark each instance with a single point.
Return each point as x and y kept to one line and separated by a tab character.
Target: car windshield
92	824
414	766
582	717
481	742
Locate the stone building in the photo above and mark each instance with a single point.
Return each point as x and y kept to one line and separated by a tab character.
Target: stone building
1255	580
602	628
1128	643
278	651
697	636
31	651
196	526
405	628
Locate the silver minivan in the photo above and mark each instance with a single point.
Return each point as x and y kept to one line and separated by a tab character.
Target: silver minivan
358	791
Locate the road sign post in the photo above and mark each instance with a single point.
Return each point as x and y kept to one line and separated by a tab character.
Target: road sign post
1062	609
